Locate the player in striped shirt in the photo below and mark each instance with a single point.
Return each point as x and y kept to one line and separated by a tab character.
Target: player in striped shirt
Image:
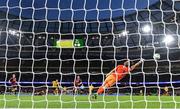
13	83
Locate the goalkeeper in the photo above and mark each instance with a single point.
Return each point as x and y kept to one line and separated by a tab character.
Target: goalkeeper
115	75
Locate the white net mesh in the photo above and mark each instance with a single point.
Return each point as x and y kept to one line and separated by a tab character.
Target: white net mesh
57	53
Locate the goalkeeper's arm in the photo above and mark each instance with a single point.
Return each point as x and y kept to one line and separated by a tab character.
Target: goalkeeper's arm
110	72
135	65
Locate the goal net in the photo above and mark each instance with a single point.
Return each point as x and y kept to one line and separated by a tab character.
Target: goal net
58	53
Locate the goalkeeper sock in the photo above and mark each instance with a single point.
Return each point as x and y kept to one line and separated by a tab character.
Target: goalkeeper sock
100	90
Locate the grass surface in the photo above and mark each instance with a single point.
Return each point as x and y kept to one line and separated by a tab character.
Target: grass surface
80	101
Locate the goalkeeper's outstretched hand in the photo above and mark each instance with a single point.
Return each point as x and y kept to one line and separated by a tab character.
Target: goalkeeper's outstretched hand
137	64
141	61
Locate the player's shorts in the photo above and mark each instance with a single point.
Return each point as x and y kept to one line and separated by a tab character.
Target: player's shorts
76	87
166	91
55	88
110	80
14	85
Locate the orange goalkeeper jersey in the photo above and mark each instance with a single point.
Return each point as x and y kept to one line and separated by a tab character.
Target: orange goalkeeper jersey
121	71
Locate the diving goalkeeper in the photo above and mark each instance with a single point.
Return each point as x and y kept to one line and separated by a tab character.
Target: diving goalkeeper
116	75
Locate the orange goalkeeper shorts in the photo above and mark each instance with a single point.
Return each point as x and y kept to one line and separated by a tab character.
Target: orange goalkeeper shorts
110	80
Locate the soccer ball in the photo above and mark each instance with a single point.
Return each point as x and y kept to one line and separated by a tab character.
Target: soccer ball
156	56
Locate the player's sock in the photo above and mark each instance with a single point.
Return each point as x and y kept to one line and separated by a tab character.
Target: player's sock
94	96
100	90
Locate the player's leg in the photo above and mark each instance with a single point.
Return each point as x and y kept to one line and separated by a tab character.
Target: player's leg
14	89
56	91
107	85
109	81
90	92
75	90
166	93
11	89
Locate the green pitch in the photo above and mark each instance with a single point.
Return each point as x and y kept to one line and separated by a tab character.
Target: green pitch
80	101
